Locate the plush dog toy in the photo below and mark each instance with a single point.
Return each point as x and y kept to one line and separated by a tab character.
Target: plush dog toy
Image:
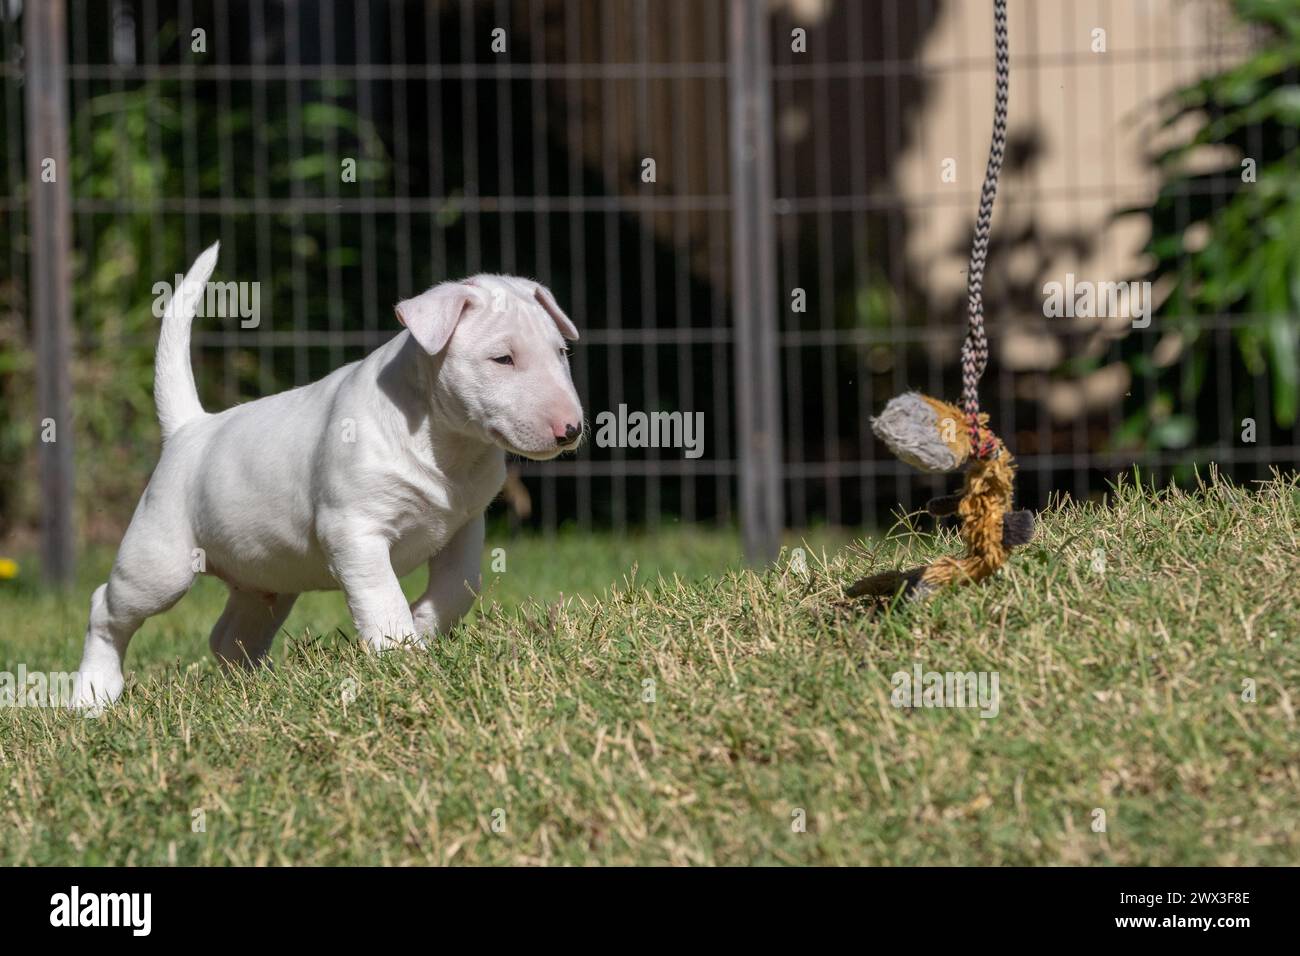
928	434
936	436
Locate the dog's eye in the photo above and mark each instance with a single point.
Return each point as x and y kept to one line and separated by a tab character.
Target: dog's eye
504	360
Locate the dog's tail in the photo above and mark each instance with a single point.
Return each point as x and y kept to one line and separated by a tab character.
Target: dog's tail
173	378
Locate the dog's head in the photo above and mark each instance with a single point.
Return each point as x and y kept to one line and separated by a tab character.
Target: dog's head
503	368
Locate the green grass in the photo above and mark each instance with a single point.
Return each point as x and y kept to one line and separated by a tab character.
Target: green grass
1121	691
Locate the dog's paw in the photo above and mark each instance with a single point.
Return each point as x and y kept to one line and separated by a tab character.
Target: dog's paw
382	643
94	693
424	620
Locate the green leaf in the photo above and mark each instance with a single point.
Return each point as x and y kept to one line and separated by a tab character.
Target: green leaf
1176	431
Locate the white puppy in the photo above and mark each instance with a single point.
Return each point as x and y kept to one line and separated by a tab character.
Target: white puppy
349	482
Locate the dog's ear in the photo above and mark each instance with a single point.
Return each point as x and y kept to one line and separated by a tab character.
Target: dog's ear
562	321
432	315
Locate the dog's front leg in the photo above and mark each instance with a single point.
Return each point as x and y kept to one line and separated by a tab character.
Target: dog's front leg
454	580
364	571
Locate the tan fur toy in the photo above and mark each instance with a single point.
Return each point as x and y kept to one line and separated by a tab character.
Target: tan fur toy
928	434
936	436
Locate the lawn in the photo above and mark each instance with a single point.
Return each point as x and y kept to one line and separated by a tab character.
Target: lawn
692	711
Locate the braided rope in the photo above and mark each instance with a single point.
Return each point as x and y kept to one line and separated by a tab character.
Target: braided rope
975	350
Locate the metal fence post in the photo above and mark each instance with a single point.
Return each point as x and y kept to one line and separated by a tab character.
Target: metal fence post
753	241
46	121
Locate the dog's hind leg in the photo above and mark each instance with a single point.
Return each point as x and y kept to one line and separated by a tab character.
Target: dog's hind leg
146	579
247	627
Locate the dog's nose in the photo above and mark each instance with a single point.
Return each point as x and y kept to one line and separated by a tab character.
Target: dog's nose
571	433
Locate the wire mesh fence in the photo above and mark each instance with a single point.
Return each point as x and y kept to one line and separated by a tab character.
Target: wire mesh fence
348	153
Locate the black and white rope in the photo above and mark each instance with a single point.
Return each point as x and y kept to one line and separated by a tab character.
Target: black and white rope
975	350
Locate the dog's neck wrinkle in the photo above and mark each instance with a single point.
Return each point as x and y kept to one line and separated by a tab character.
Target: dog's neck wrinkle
440	445
457	455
